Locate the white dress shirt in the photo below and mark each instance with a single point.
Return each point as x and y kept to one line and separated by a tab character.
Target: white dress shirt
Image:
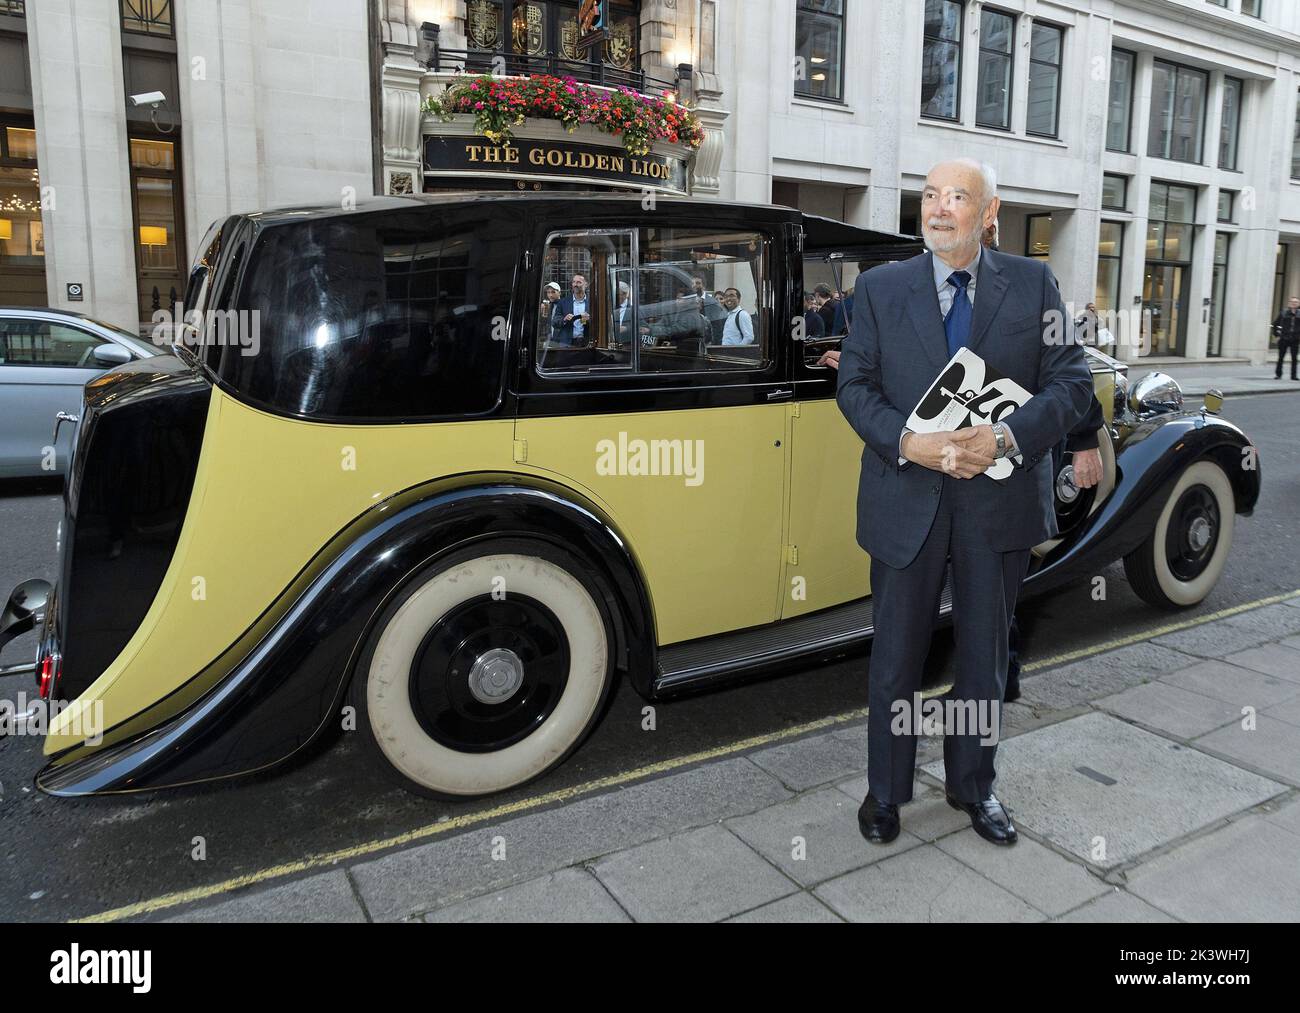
738	329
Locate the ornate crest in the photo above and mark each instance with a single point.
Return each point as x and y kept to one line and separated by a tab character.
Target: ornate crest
569	40
619	48
483	24
529	29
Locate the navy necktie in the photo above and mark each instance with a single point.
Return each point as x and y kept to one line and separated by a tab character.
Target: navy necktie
957	324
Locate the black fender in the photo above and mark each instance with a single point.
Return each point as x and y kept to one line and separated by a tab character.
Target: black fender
1148	464
279	687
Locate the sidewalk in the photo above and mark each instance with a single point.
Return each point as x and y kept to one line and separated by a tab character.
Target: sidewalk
1139	793
1231	378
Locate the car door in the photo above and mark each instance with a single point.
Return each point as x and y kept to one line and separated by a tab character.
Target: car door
678	437
44	365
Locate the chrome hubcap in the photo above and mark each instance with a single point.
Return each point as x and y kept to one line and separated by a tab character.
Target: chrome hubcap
496	675
1066	490
1199	533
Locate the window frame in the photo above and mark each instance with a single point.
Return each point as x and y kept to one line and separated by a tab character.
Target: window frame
959	42
1241	111
97	339
1132	97
842	17
1029	237
980	50
167	5
1180	68
1124	182
770	372
1118	258
1060	78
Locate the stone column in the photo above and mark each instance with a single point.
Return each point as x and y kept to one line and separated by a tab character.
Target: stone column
82	154
707	164
400	115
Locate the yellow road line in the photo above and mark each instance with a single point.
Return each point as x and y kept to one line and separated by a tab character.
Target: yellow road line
578	791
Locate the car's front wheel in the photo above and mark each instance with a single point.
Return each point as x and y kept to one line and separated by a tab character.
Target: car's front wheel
486	671
1182	560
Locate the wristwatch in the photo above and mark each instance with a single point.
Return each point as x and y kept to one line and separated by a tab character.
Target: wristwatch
1000	433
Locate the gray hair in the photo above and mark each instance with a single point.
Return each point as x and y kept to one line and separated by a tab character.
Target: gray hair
987	173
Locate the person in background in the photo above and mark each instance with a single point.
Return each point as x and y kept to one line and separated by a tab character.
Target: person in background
572	316
844	306
711	308
545	323
1287	329
737	327
812	323
825	300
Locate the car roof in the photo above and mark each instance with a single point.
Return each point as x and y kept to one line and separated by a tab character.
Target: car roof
825	231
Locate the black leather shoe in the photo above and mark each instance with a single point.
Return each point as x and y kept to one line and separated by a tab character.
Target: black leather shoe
1012	692
878	820
988	817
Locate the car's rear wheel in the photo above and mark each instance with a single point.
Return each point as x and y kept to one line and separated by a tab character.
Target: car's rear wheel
1184	557
486	671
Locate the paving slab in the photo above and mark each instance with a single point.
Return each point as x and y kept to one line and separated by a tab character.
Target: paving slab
702	875
323	897
1101	675
442	872
1242	687
810	761
801	908
1284	814
1034	873
927	817
922	885
1170	709
814	837
1107	791
1271	746
569	895
1246	872
1115	907
1273	659
1234	633
1288	712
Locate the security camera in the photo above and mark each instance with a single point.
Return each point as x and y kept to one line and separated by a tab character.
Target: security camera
149	98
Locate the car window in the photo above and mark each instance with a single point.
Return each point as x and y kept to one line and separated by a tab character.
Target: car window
28	342
828	281
654	300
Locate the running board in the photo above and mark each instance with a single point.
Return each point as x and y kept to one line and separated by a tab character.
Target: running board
820	636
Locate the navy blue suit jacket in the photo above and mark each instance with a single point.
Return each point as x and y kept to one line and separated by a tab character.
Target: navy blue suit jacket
894	351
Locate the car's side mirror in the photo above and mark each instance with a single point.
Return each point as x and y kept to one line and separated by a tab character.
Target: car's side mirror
109	354
25	608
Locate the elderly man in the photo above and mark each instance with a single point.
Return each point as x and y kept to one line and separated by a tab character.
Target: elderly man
923	498
572	316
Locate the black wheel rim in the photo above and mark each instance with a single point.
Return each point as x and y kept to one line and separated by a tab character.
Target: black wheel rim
1193	533
443	668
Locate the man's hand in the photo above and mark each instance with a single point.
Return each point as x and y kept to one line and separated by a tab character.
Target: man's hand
948	452
982	441
831	358
1087	468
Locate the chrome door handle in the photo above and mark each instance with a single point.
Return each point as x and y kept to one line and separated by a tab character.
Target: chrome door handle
779	393
61	418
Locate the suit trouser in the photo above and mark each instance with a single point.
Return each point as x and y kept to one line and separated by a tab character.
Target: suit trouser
1294	345
985	584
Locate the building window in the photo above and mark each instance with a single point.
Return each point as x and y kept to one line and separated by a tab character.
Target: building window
1044	80
1177	112
1166	288
544	37
1119	123
1227	200
941	60
22	230
1110	263
1218	3
997	40
1295	146
1114	192
1038	236
14	8
1252	8
148	17
819	46
1218	293
1230	131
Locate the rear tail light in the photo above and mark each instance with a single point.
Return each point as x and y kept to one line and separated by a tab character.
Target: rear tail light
48	675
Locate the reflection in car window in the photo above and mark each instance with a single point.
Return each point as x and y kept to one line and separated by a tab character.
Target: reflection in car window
662	300
828	279
26	342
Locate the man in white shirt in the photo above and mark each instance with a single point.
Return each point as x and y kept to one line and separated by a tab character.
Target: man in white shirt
737	327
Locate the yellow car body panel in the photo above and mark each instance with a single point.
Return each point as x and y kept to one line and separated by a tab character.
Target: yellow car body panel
710	548
268	494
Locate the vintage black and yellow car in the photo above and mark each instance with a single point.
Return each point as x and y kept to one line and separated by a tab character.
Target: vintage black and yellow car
460	490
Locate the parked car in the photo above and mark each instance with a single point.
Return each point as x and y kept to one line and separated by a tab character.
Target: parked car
404	502
46	358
